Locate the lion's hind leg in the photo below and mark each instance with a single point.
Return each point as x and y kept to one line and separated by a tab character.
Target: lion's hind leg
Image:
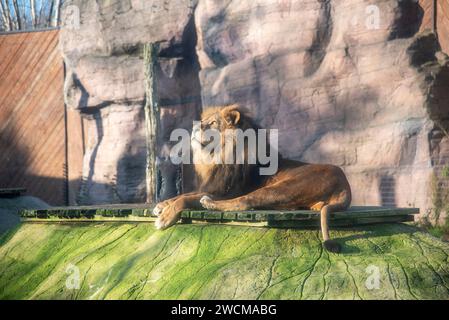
329	245
273	197
237	204
325	210
339	203
317	206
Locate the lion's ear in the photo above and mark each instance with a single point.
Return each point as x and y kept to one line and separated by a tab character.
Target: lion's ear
232	117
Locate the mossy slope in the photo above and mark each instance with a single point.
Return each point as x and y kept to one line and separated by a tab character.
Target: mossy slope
134	261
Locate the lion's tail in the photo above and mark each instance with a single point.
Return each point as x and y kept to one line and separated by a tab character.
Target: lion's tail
341	202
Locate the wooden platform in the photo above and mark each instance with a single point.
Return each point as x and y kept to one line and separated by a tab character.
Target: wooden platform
269	218
12	192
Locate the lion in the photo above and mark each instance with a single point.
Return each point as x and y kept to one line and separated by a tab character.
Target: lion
236	187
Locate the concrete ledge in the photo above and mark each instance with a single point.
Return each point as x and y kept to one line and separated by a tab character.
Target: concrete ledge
136	261
268	218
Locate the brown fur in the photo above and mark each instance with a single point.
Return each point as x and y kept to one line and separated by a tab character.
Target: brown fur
296	185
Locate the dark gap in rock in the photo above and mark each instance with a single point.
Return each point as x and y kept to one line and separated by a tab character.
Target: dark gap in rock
425	55
423	49
217	57
316	53
408	20
131	50
435	137
179	92
219	18
438	111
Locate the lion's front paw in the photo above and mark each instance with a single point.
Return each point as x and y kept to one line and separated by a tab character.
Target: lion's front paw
207	203
160	224
168	217
158	210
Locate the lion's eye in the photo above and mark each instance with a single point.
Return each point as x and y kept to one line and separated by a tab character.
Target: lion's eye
212	123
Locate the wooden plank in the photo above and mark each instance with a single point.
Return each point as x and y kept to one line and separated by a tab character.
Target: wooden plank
31	92
30	120
427	6
443	24
45	159
26	66
21	53
354	212
152	118
341	222
30	97
279	219
39	62
10	51
42	63
271	224
42	163
12	192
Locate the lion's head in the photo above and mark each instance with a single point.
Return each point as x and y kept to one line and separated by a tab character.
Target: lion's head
217	175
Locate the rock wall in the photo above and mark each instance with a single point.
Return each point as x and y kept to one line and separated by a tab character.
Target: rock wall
105	82
358	84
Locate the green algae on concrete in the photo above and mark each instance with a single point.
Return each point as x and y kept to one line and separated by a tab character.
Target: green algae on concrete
135	261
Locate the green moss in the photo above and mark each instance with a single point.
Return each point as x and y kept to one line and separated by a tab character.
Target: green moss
135	261
439	231
440	194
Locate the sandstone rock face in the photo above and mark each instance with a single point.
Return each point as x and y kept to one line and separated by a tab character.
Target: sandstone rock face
352	83
340	88
105	82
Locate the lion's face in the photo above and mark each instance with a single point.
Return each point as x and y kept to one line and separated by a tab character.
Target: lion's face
216	174
214	120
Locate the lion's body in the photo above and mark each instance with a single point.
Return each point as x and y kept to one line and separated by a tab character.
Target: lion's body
233	187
